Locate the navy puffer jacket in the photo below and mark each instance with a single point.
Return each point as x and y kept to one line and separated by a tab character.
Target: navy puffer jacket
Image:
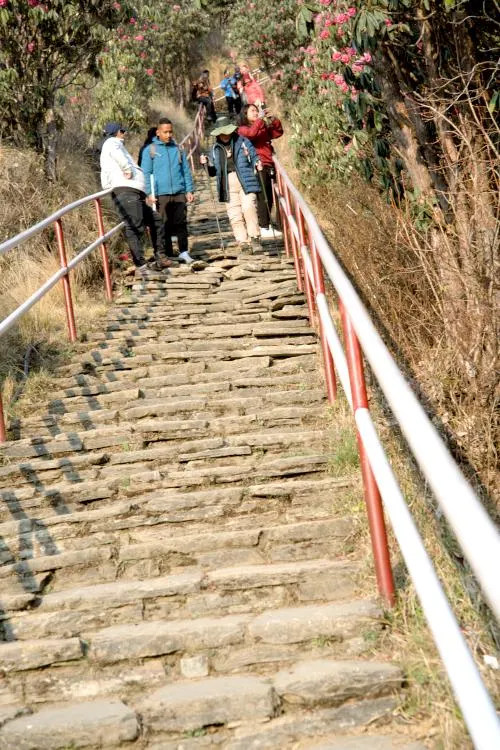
244	156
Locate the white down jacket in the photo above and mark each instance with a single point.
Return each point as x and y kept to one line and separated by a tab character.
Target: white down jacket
116	162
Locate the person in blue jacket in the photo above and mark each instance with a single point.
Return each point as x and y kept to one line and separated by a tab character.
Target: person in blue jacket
169	188
235	163
228	86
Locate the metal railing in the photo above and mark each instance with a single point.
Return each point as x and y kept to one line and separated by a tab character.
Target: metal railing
190	143
474	530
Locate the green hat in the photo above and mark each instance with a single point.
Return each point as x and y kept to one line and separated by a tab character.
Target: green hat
224	126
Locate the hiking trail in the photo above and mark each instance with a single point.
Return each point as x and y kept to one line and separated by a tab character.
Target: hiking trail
172	573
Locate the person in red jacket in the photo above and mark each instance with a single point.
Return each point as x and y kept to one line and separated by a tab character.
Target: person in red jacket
260	127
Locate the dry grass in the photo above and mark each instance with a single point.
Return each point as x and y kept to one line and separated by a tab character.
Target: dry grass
363	229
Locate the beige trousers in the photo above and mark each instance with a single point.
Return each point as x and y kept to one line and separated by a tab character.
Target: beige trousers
242	211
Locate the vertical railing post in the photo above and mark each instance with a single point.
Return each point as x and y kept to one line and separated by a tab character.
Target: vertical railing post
310	297
3	431
68	301
373	500
104	252
319	285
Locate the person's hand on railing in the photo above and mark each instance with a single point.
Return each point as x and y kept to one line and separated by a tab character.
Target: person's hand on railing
151	201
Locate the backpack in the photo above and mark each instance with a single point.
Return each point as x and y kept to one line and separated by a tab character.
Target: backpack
152	153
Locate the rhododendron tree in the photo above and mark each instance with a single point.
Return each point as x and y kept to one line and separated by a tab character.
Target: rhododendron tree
45	46
150	53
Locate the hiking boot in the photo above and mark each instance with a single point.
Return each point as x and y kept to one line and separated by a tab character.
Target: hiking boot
143	271
270	233
185	258
162	263
255	245
245	247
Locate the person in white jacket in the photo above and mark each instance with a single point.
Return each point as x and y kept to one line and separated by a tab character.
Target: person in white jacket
121	173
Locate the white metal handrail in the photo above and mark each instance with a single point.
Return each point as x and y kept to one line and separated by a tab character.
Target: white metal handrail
472	696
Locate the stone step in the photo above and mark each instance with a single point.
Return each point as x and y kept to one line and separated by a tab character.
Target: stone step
72	609
288	730
375	742
86	724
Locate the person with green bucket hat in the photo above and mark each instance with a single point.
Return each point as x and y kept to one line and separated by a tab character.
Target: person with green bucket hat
234	161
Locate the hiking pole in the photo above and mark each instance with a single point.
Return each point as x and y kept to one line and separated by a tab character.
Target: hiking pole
222	246
263	188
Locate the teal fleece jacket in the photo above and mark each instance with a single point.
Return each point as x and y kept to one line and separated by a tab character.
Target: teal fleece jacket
168	164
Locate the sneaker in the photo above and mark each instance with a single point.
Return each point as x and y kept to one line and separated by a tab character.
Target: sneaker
245	247
256	246
162	263
143	271
269	233
185	258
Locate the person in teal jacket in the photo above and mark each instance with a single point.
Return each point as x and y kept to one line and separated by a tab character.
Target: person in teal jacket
228	86
169	188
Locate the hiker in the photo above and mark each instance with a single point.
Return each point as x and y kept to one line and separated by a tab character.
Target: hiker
253	91
261	128
152	218
234	162
229	88
120	172
204	95
173	186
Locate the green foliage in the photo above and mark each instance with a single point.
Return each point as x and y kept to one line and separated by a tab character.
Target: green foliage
148	54
44	47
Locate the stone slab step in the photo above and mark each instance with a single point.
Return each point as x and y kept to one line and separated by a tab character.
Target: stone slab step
85	724
375	742
285	731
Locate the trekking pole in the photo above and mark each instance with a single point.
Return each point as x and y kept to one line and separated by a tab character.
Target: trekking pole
263	188
222	246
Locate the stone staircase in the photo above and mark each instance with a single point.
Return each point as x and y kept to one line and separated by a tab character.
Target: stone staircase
172	572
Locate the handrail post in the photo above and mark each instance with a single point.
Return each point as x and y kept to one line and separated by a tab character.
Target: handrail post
310	296
319	285
3	431
104	252
374	509
70	315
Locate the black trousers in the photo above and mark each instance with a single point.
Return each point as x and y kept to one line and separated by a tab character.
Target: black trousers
173	214
265	197
130	206
153	221
233	104
209	106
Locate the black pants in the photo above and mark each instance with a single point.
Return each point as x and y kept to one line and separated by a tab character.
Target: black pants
173	213
267	175
152	220
233	104
130	206
208	102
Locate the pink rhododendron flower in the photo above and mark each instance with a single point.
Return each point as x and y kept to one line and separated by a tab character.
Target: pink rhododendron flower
149	71
324	34
367	58
345	59
30	46
139	38
295	87
117	6
33	3
388	22
351	12
133	21
176	7
336	56
3	3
